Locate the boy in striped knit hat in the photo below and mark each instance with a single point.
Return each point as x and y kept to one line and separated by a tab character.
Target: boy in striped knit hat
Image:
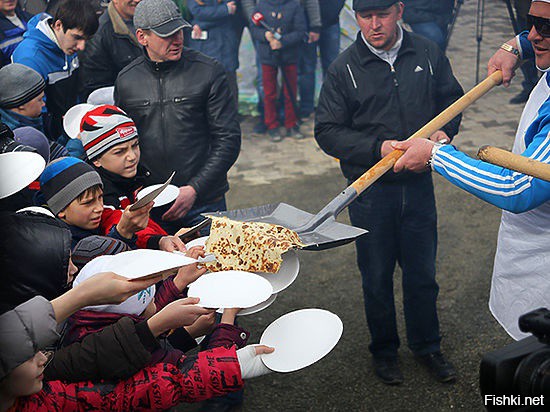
110	140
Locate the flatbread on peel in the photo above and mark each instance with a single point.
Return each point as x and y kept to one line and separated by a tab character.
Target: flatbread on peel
249	246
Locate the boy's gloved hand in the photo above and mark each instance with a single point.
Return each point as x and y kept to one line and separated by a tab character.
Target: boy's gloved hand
251	364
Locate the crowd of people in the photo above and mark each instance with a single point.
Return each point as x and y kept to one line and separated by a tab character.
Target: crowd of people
166	71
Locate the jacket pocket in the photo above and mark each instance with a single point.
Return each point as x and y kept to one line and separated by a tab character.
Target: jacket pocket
138	103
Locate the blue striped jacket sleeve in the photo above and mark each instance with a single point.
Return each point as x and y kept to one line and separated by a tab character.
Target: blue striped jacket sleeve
501	187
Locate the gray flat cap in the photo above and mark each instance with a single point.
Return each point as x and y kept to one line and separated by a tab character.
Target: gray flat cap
160	16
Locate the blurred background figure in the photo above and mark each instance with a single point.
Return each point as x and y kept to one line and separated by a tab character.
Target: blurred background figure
13	23
328	46
529	70
429	18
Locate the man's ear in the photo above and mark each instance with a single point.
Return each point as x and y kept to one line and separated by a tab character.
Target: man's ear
61	215
141	37
96	163
58	26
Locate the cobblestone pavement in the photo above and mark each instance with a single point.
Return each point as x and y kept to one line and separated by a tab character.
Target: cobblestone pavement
298	173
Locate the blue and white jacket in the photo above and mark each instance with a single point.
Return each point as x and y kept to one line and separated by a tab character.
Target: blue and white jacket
11	35
521	274
40	51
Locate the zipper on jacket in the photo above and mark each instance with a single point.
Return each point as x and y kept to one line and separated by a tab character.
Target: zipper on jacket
401	116
162	116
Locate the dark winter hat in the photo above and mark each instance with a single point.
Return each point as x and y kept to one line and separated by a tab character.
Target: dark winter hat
103	127
360	5
19	84
64	179
93	246
32	137
161	16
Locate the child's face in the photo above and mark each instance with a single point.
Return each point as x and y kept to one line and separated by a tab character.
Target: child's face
27	378
121	159
85	212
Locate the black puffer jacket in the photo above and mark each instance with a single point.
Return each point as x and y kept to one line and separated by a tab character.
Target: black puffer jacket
111	49
365	101
186	120
34	256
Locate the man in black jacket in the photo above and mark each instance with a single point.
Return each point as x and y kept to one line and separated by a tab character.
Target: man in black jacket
182	106
383	88
113	47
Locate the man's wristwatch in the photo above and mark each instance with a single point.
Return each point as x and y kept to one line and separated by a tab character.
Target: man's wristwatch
511	49
429	162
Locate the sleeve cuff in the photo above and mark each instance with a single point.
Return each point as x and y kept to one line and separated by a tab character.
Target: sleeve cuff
182	340
524	46
153	242
146	337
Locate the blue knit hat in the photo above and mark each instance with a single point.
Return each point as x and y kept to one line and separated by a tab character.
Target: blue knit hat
64	179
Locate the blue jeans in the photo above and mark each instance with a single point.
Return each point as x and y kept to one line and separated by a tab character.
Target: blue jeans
190	219
431	30
402	222
329	47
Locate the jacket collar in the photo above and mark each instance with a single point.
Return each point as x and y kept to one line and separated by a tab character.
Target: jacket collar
119	26
15	120
162	66
366	56
127	185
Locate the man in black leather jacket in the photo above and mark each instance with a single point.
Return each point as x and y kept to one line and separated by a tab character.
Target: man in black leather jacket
182	106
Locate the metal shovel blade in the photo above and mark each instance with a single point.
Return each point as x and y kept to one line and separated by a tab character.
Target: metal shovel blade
327	234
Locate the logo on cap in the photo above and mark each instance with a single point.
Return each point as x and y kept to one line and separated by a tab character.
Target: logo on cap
126	131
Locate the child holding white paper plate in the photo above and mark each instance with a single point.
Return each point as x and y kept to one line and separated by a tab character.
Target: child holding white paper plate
143	305
35	255
111	143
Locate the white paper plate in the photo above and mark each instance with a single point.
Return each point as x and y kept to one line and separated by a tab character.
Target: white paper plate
168	195
281	280
257	308
300	339
230	289
18	170
144	262
73	117
103	95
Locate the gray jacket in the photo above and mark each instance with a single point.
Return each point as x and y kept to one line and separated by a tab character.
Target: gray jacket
313	12
25	330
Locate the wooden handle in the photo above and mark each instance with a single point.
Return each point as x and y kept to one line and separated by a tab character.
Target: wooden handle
387	162
515	162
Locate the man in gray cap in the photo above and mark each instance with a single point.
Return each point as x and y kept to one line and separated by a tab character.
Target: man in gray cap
383	88
186	118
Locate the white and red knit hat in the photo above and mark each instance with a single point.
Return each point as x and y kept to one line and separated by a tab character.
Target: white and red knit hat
104	127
